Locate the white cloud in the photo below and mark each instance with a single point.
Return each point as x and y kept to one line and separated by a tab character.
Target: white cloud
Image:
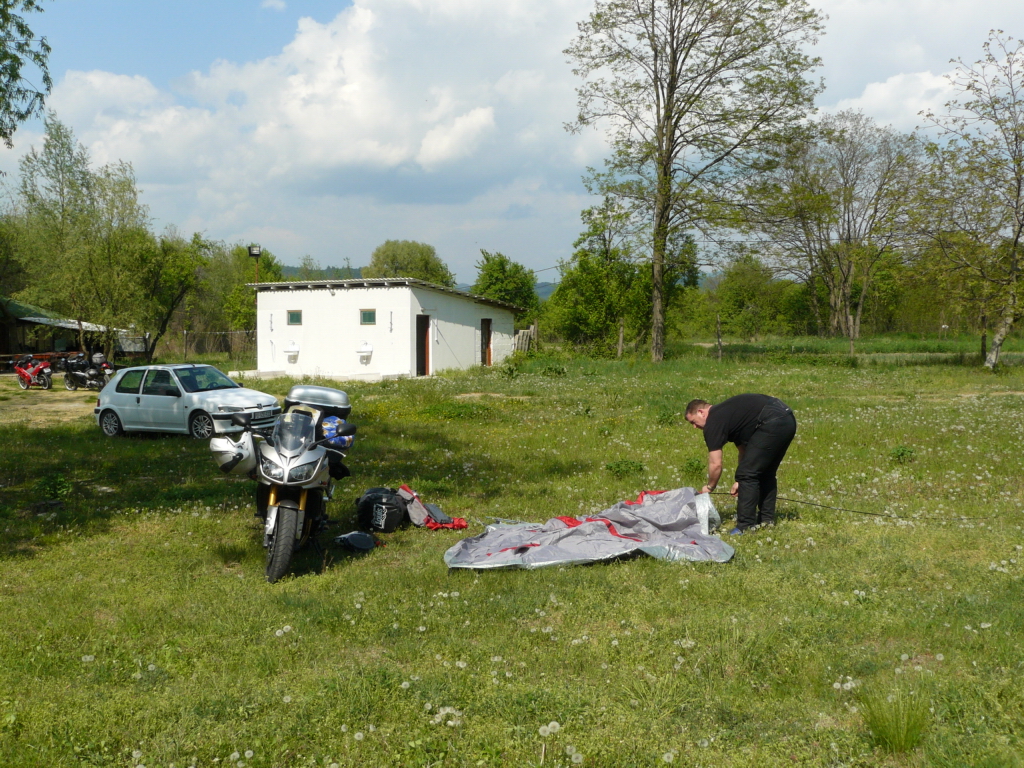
274	5
902	99
458	139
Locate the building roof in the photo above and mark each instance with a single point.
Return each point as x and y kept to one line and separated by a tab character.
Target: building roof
381	282
22	311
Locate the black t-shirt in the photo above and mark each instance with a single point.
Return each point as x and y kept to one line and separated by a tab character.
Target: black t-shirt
733	420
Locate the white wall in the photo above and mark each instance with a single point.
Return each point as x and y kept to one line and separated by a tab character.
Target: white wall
330	334
455	329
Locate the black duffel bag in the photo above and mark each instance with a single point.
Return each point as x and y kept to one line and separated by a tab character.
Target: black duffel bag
381	509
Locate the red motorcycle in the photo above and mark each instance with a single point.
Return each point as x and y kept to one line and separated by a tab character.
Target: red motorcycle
32	372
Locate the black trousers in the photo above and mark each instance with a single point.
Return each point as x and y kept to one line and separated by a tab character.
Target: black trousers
761	458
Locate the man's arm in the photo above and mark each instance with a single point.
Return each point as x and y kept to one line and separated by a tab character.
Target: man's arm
714	470
736	486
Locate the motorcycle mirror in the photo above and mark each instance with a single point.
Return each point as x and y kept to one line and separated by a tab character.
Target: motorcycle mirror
242	420
348	429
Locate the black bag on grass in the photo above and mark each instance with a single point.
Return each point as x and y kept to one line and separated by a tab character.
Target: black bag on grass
380	509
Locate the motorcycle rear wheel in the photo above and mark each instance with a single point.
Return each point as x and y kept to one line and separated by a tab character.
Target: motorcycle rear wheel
22	382
69	382
45	381
282	542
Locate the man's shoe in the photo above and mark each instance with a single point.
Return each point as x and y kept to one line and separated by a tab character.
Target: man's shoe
736	532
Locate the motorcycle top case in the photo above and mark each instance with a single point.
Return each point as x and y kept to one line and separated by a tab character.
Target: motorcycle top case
381	509
332	402
99	358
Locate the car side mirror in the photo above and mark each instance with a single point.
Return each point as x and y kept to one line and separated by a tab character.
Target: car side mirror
173	392
242	420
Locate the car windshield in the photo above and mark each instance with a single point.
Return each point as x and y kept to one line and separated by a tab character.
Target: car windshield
293	431
203	378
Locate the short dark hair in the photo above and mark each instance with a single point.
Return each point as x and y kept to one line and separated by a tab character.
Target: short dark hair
695	405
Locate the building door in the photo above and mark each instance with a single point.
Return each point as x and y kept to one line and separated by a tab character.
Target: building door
485	341
422	345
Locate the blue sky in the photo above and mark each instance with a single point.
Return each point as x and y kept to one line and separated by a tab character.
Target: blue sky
324	127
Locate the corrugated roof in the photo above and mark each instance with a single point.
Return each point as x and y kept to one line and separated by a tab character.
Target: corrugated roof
380	282
21	310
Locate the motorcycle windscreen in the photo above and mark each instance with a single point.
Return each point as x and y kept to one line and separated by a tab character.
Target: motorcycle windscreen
293	432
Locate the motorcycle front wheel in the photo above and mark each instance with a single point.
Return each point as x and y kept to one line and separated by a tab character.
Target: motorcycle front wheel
23	382
282	542
69	382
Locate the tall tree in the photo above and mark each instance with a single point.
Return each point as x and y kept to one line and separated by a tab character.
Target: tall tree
500	278
834	204
408	258
20	98
687	86
975	198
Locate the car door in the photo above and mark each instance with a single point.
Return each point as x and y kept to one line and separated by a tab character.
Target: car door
160	406
125	398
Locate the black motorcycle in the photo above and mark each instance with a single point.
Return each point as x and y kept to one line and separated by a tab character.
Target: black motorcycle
83	372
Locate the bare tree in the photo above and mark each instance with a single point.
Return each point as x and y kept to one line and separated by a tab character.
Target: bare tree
685	87
975	198
834	205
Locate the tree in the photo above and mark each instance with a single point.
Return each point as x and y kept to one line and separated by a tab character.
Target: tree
834	203
407	258
974	200
500	278
20	99
687	86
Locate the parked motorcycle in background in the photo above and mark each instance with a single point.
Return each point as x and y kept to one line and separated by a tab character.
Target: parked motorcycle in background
82	372
294	466
33	373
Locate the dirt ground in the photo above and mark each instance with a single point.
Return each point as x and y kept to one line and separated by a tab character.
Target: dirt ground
37	407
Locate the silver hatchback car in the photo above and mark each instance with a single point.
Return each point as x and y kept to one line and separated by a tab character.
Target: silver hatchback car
191	399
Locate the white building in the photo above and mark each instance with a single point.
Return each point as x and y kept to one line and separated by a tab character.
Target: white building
376	328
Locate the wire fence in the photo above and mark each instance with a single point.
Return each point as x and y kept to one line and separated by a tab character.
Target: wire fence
237	347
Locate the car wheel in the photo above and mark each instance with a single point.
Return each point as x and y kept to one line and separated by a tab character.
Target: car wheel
200	425
111	424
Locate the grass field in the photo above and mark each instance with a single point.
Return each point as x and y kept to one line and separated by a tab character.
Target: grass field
138	629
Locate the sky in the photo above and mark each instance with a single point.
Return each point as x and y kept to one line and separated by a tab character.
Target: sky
325	127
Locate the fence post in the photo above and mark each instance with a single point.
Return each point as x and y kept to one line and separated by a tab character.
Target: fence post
718	328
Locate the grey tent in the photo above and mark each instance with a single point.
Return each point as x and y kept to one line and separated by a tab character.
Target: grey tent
669	525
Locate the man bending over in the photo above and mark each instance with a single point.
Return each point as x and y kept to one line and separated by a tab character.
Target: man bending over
762	428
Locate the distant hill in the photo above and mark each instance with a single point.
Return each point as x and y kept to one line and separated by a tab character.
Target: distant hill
543	290
327	273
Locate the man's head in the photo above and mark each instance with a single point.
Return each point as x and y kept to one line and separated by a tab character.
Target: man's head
697	412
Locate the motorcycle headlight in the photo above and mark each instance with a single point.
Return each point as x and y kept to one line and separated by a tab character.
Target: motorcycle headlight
272	469
303	472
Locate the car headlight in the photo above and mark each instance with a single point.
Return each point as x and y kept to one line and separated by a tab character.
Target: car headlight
230	409
271	469
303	472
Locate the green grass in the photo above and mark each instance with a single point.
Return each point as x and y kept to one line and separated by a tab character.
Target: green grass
136	618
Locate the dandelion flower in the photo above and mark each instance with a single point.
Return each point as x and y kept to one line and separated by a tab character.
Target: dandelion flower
248	754
151	667
359	736
287	699
287	628
405	684
279	633
939	657
421	628
461	664
234	756
344	729
577	758
904	657
544	731
554	727
87	659
668	757
703	742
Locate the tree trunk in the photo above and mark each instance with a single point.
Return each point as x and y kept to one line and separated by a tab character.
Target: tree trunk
1003	329
622	334
984	339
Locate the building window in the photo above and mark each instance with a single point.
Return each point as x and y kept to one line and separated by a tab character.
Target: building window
294	317
367	316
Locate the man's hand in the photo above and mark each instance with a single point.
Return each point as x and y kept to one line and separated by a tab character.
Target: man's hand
705	489
734	491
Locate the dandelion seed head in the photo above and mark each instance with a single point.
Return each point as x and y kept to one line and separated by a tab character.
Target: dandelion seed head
358	736
248	754
405	684
554	727
151	667
279	633
544	731
939	657
577	758
668	757
234	756
287	699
